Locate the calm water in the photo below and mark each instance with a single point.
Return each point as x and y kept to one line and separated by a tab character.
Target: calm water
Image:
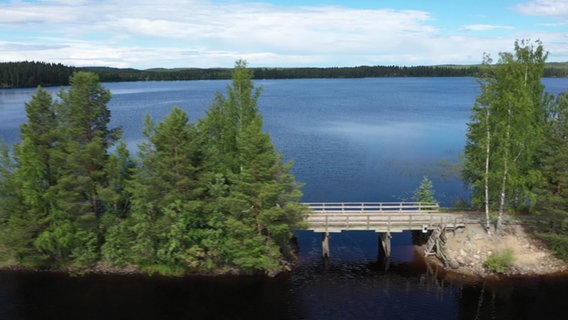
351	140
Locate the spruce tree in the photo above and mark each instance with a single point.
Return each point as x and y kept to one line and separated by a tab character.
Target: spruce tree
30	202
165	216
10	202
553	193
259	209
227	116
425	192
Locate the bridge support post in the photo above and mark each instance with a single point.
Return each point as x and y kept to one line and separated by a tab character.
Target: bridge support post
385	242
325	245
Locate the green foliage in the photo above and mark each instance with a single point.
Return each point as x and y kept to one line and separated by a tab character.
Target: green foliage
425	192
59	171
460	204
118	241
211	196
502	161
165	270
499	261
557	243
30	177
33	74
205	197
552	192
115	74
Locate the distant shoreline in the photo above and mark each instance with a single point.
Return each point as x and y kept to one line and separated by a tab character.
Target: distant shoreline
32	74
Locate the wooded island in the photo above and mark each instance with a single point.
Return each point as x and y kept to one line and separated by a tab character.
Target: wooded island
207	197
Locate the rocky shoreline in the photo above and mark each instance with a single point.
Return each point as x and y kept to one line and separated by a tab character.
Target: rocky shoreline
101	268
468	248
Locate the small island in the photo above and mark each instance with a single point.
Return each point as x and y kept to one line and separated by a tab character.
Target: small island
209	197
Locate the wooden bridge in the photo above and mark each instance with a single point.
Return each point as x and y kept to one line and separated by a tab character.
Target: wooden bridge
381	217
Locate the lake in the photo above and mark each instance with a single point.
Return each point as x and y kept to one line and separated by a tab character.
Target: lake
351	140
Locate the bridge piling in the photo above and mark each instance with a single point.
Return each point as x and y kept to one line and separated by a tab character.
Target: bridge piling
381	217
385	242
325	245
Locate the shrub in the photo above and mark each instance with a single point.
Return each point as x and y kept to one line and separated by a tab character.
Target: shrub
499	261
461	205
557	243
164	270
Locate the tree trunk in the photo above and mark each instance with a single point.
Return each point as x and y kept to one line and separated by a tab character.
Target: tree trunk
501	201
502	196
487	153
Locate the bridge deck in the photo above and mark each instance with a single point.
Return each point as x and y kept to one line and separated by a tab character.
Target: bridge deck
379	216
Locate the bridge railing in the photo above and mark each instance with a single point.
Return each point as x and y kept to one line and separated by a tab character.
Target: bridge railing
395	222
372	207
378	216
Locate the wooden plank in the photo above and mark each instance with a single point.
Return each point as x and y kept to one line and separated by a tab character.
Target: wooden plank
337	221
378	216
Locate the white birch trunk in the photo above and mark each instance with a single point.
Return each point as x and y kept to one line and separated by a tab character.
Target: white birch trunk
487	153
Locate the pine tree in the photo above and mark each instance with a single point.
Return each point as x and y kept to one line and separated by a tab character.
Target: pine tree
74	233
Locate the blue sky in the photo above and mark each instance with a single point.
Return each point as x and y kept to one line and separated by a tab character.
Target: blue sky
214	33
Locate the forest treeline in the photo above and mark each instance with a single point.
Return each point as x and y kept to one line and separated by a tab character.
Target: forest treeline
212	196
32	74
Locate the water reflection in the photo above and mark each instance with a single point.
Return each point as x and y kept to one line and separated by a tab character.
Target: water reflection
314	290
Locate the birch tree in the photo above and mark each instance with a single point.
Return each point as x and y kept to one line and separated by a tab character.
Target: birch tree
505	131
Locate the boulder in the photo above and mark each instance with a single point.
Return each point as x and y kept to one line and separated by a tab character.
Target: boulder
454	264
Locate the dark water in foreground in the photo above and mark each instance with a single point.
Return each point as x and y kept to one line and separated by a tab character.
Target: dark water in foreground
357	290
351	140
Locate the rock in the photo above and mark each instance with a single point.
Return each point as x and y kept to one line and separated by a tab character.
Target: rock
460	261
462	253
454	264
476	257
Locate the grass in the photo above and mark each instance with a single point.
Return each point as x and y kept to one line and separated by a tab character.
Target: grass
499	261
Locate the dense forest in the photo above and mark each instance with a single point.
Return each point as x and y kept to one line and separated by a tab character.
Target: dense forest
208	197
516	154
32	74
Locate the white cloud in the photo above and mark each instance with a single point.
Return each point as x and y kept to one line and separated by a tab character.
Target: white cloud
485	27
148	33
552	8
